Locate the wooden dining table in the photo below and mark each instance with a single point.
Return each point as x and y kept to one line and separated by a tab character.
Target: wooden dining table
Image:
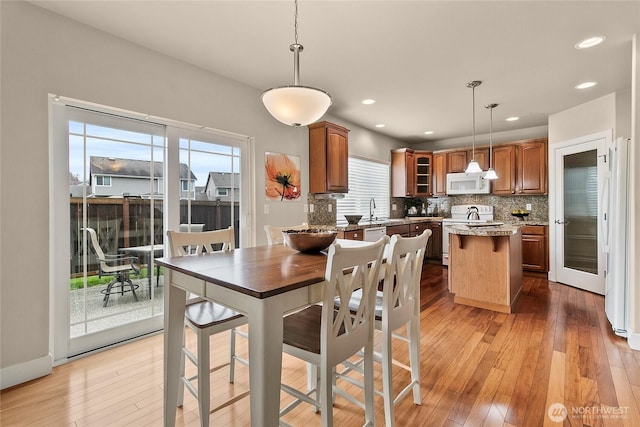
264	283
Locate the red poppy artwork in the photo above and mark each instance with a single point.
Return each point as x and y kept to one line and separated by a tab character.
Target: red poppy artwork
282	176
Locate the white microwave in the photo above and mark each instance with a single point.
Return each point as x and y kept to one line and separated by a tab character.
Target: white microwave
461	183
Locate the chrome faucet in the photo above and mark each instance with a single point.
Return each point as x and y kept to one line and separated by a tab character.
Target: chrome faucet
371	201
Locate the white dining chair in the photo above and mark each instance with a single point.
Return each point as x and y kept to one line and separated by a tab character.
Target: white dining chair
206	318
274	234
397	305
326	337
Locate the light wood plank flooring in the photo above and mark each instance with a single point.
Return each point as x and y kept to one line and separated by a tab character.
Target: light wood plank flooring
478	368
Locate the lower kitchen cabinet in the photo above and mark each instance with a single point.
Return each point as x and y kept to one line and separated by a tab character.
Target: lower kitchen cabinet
351	235
434	246
402	230
535	248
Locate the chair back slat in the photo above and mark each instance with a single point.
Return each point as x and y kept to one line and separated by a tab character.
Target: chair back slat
403	268
349	269
184	243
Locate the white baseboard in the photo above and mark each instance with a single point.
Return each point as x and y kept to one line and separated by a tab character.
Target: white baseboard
25	371
633	339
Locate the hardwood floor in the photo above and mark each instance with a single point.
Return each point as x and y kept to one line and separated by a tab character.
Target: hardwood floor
478	368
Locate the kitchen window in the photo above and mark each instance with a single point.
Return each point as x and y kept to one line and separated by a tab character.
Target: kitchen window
367	179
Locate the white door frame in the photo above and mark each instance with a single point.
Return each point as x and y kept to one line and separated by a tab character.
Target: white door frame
554	262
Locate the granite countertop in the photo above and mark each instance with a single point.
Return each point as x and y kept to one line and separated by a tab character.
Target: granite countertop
485	230
389	222
526	222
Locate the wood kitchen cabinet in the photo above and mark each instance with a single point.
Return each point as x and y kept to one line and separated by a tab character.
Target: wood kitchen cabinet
504	163
532	167
403	230
328	158
535	248
434	246
417	228
410	173
482	157
456	161
439	172
351	235
423	170
403	173
521	167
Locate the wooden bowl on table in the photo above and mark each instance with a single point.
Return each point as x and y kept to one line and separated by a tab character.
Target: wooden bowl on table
309	241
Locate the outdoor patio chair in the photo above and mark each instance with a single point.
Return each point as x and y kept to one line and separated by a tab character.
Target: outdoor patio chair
118	266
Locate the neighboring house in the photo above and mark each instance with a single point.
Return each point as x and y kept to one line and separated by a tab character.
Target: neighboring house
222	186
76	190
113	177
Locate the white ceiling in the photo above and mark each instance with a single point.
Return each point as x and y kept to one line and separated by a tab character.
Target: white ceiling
413	57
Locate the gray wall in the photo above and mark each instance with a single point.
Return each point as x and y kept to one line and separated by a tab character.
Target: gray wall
43	53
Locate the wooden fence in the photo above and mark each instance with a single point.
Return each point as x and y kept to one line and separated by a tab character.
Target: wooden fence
126	222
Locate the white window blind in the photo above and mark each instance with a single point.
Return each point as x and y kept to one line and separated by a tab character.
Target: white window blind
367	179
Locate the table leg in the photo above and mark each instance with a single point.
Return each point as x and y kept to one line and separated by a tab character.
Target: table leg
265	361
174	302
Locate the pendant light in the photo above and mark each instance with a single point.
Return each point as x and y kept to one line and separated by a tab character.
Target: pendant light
491	174
473	167
296	105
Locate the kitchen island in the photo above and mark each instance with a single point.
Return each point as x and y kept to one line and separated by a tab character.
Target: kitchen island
485	265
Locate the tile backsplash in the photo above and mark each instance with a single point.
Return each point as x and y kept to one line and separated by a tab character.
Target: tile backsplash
502	205
440	206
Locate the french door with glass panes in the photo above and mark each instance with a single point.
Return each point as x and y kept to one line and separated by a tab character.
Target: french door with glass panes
120	183
577	215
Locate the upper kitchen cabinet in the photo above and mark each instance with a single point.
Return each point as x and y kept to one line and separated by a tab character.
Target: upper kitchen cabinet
482	157
439	171
532	167
456	161
521	167
328	158
423	169
403	173
504	163
411	173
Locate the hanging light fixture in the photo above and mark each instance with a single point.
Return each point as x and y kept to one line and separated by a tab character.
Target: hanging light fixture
296	105
473	167
491	174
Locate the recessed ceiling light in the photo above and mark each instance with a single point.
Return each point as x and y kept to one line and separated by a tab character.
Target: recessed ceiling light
380	125
428	132
586	85
368	101
512	119
590	42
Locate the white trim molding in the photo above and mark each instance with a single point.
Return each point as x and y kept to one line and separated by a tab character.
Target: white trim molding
633	339
26	371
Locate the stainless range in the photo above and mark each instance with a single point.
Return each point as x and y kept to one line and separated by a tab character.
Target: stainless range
462	214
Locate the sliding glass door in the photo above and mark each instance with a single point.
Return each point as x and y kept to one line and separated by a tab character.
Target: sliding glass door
118	183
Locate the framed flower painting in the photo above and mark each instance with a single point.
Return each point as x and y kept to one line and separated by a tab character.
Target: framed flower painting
282	177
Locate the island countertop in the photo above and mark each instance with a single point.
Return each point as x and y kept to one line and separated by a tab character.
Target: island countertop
484	230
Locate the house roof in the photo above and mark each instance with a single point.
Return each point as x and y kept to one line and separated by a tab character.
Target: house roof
131	168
223	179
